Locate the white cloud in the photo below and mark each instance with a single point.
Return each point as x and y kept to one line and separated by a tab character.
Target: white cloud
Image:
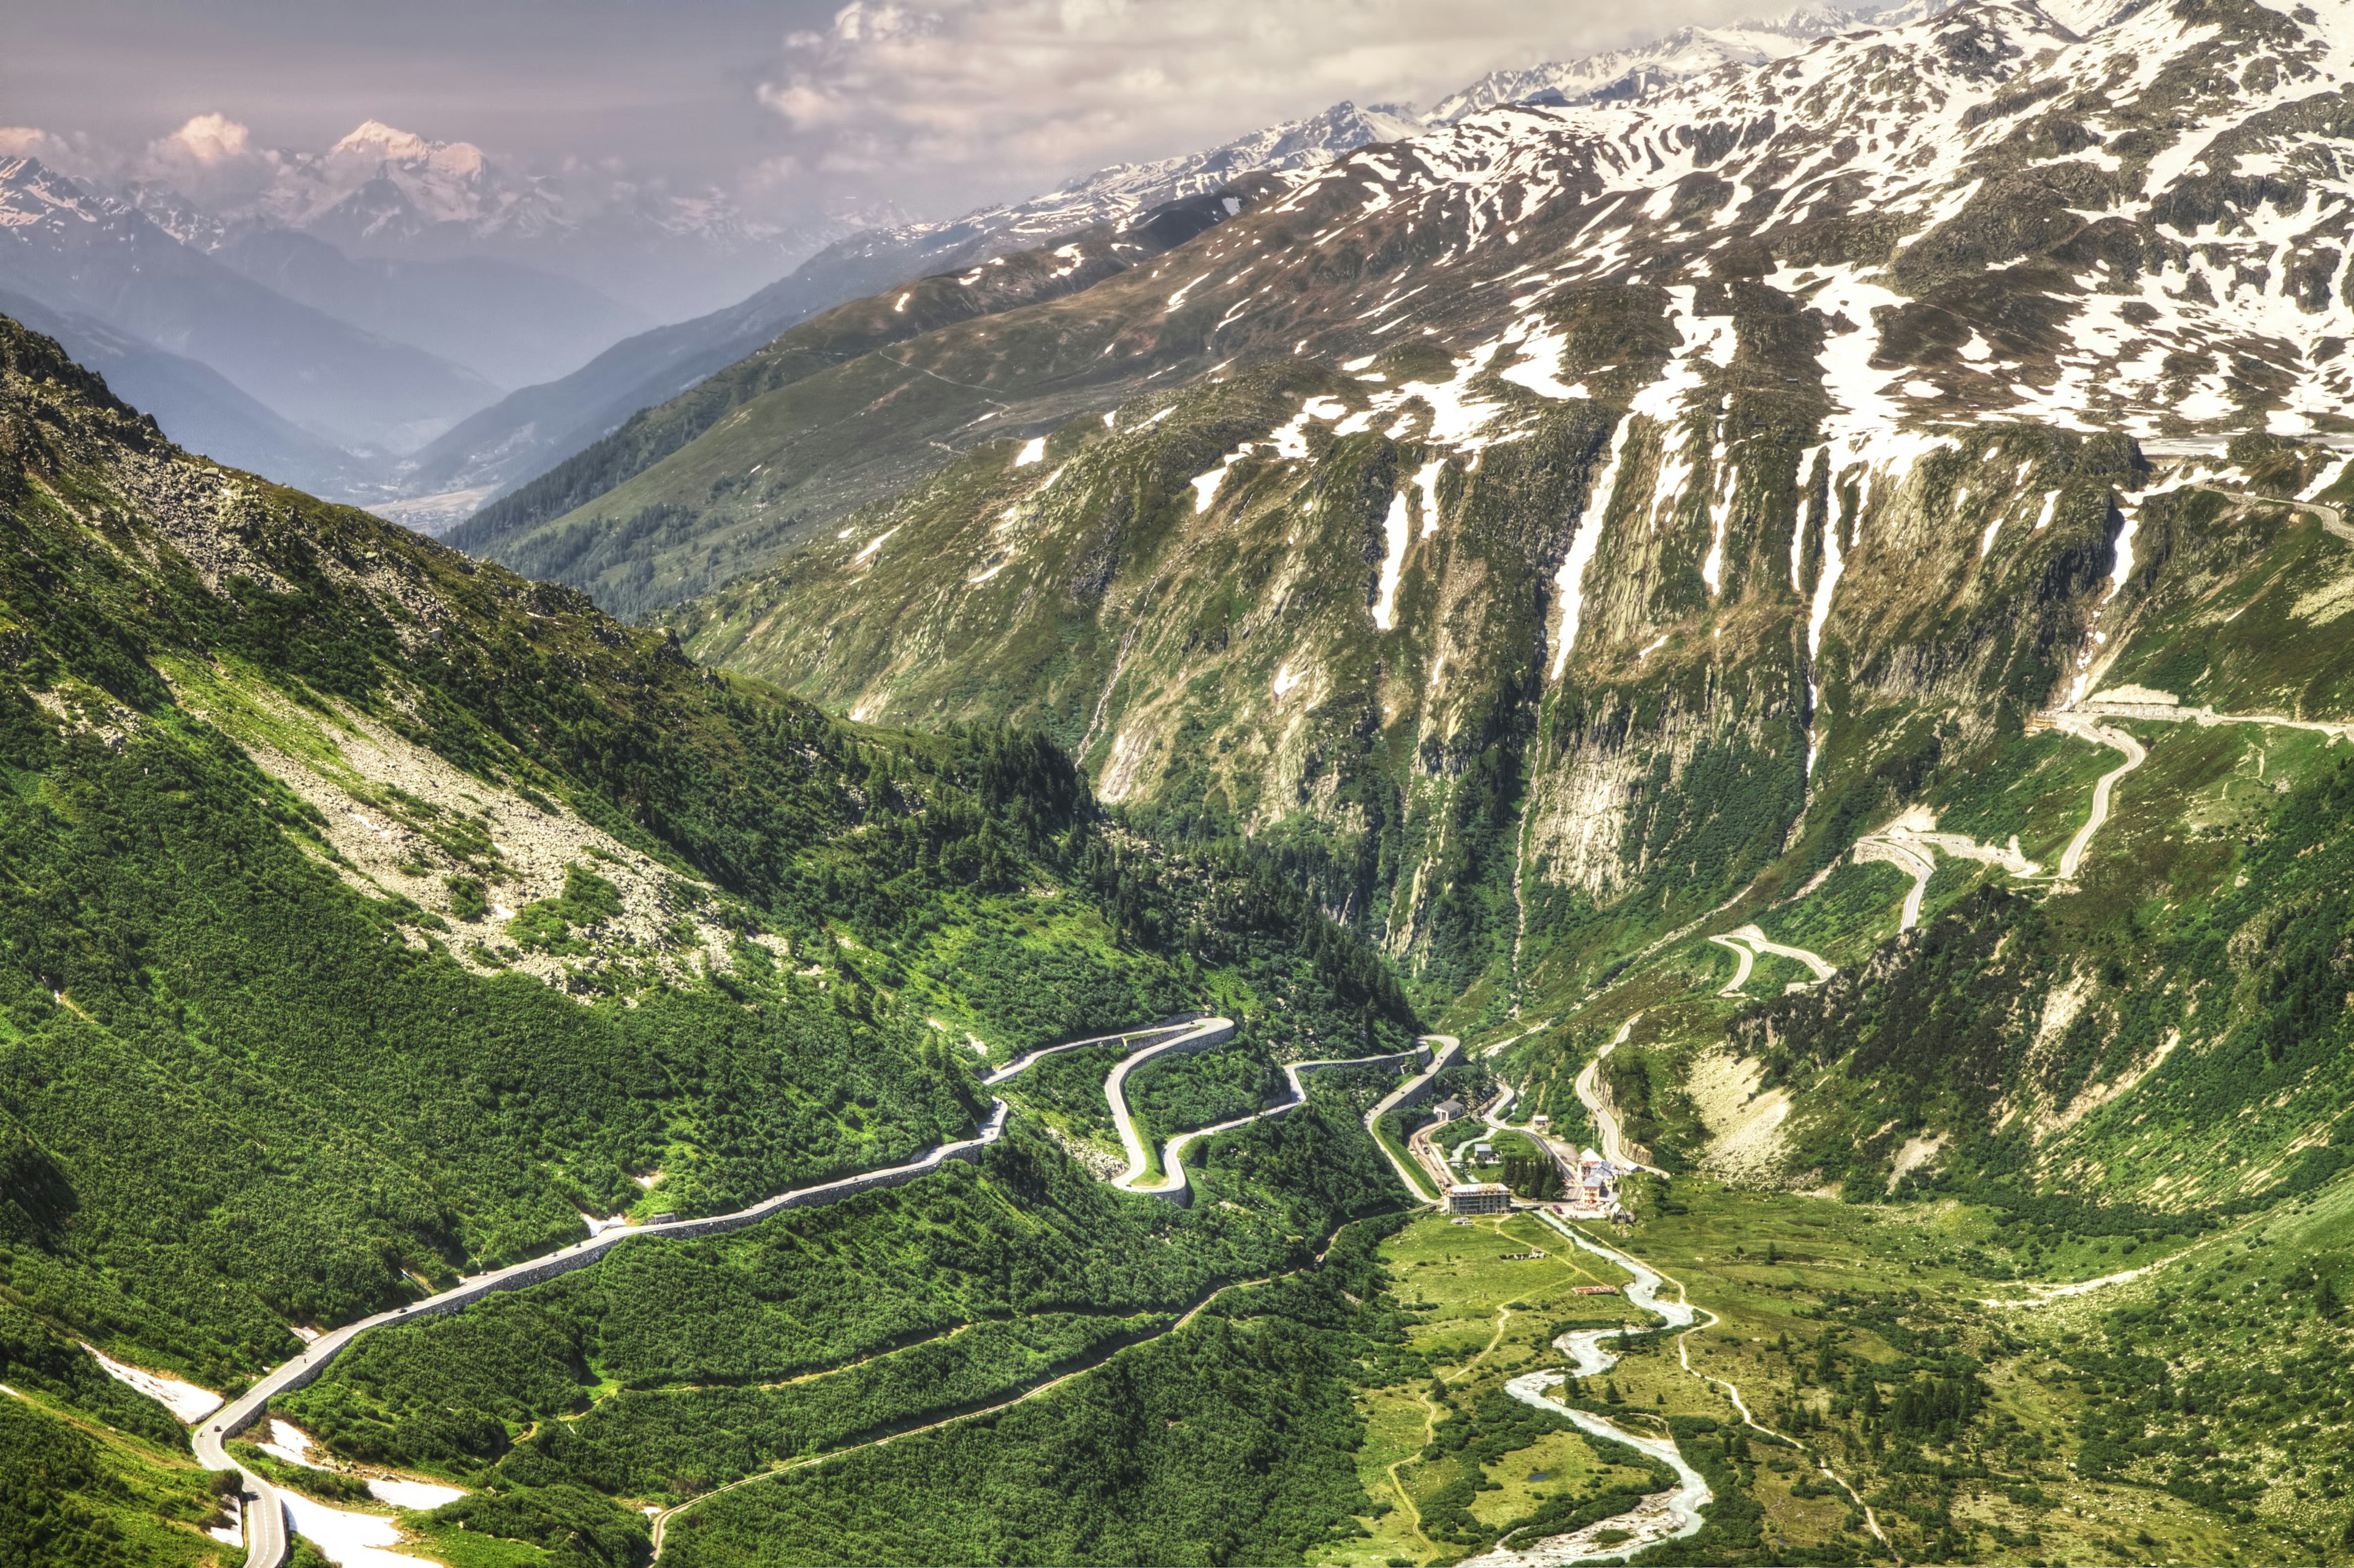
1019	93
68	154
210	157
208	139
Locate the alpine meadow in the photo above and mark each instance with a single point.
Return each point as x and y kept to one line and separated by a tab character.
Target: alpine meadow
1614	823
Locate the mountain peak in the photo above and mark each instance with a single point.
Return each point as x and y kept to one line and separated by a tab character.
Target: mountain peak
377	139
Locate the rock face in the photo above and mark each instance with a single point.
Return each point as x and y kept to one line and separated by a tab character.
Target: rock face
1569	518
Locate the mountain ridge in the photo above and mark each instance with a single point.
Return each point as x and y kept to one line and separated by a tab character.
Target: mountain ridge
76	251
1616	561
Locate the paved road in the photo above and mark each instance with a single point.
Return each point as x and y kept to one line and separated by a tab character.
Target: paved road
2332	519
1912	860
1750	943
1021	1065
1199	1035
1443	1058
1606	1124
265	1513
1748	957
2084	727
1173	1178
2207	717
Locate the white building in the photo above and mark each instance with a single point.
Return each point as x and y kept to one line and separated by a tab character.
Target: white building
1479	1198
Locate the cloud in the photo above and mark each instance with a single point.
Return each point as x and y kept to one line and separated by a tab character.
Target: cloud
1016	94
67	154
210	157
207	139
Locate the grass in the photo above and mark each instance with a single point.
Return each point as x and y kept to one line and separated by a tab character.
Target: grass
1482	1318
463	1547
1824	1257
1412	1166
1856	907
2038	786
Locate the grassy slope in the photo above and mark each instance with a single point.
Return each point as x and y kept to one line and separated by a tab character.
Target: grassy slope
676	1369
244	1081
593	523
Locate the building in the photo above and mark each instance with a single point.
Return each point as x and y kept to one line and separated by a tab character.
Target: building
1540	1123
1449	1110
1479	1198
1483	1154
1597	1179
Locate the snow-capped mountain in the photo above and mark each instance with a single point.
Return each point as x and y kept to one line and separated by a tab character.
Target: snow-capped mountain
1118	193
1983	216
88	255
1633	493
2142	228
381	192
1686	53
1122	190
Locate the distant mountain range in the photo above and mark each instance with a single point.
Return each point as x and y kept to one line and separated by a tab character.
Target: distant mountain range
443	330
344	308
387	193
83	253
531	431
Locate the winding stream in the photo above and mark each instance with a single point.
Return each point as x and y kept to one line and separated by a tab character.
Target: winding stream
1663	1516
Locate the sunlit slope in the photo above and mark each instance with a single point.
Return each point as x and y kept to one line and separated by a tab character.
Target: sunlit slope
378	916
592	522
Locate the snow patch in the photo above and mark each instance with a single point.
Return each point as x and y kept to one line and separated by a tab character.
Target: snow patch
1426	479
1394	532
185	1401
1570	581
418	1495
349	1540
292	1444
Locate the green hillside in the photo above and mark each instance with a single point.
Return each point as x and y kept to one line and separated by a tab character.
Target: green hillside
1795	621
378	915
587	523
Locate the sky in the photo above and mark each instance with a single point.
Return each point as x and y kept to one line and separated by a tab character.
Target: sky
928	107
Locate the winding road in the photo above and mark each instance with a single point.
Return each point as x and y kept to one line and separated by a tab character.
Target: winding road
265	1524
2084	727
1914	860
1749	944
1440	1060
1605	1121
2333	521
266	1542
1172	1167
2207	717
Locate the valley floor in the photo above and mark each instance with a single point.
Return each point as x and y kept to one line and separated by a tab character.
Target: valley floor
1870	1349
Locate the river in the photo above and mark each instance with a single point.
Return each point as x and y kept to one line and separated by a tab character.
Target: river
1663	1516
